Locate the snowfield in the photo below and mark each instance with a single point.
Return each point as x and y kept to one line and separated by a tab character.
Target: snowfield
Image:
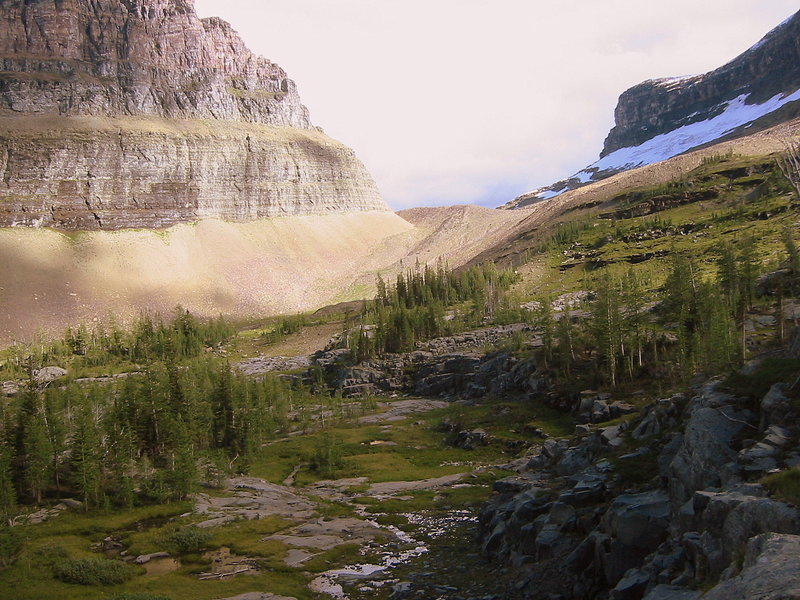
737	113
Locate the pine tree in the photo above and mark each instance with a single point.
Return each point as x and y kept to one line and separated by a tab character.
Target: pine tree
606	320
181	476
85	457
546	324
8	495
222	402
33	449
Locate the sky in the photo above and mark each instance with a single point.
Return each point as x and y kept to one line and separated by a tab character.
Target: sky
473	101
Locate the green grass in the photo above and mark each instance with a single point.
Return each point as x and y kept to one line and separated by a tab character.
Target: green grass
768	372
785	485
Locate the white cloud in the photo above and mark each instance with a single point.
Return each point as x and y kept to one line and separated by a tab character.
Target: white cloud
464	101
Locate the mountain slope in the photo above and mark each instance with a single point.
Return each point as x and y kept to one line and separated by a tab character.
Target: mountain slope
662	118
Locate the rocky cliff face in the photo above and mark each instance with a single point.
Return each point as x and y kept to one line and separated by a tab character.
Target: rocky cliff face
661	118
136	113
658	106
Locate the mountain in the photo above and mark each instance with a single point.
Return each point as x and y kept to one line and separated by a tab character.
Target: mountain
137	114
662	118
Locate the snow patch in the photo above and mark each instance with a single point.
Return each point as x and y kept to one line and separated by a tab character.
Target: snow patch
682	139
736	114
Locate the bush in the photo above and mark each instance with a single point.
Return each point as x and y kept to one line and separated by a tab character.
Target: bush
188	539
95	571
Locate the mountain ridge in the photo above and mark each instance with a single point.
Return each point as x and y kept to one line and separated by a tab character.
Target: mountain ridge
661	118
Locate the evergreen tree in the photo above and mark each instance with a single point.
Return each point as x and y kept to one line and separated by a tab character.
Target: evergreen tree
33	448
606	321
85	456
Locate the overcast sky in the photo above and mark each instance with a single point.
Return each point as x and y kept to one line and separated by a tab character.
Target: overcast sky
474	101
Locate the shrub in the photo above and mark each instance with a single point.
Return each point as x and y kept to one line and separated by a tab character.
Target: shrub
189	539
94	571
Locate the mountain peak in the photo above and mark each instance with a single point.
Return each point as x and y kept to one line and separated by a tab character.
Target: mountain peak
661	118
137	113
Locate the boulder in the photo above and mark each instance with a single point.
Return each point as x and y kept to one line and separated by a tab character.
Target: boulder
9	388
705	458
639	520
48	374
770	571
631	586
672	592
776	407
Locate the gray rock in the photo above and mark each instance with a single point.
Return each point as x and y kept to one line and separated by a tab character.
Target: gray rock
259	596
48	374
547	541
705	458
770	572
672	592
776	407
631	586
9	388
146	558
638	520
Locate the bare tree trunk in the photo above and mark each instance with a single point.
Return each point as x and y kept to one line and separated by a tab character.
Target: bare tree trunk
789	164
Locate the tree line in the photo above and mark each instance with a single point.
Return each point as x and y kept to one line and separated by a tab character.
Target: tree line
414	307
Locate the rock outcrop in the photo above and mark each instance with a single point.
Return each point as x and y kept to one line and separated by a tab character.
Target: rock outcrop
136	113
661	118
575	526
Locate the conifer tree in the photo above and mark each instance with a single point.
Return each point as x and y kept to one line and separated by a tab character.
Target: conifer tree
33	448
606	320
85	456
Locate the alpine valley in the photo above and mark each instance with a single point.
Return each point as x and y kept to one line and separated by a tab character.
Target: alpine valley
229	372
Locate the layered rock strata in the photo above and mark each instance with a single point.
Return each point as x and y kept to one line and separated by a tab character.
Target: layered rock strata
136	113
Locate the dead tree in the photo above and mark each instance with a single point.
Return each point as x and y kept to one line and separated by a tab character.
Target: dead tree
789	164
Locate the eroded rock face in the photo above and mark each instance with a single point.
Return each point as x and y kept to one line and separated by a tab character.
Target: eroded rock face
136	113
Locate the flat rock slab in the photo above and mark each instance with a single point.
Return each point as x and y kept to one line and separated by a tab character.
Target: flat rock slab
268	364
321	535
258	596
771	571
402	408
252	498
388	488
296	557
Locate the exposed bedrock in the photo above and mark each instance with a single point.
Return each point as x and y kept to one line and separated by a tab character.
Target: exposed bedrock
136	113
